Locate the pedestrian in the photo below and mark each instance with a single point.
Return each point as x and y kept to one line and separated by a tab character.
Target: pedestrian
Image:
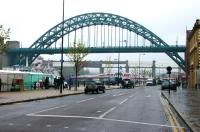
63	82
0	84
13	83
55	83
46	83
70	83
34	85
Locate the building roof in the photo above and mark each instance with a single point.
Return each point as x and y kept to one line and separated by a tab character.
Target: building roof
190	33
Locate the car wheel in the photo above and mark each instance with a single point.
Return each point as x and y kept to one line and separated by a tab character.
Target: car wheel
97	91
104	91
86	92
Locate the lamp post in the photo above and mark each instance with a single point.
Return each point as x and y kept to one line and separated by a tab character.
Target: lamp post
118	64
139	66
61	69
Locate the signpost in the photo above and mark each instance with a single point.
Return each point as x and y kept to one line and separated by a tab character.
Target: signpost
169	68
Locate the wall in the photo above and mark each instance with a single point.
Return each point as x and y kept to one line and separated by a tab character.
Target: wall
193	42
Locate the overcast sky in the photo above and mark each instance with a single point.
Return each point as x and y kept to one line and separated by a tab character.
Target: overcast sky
29	19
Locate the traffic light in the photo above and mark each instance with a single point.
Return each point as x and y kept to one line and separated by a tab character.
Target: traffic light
169	68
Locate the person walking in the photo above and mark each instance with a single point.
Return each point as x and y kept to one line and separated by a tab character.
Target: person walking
0	84
70	82
46	83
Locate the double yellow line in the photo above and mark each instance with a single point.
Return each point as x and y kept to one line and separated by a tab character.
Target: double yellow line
171	117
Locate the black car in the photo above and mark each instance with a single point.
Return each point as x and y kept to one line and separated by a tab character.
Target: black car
94	86
166	83
127	83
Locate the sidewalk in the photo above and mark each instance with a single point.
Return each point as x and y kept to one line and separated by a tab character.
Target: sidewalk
25	96
187	104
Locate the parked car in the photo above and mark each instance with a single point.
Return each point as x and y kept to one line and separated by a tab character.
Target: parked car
165	85
127	83
149	83
94	86
110	82
159	82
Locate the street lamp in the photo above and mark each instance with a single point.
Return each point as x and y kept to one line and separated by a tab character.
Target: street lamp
61	69
118	64
139	67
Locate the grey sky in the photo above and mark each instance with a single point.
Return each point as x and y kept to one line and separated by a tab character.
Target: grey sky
29	19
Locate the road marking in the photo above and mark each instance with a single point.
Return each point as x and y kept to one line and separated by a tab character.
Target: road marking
47	109
108	111
85	100
48	125
10	124
123	101
141	123
66	127
83	129
104	95
99	111
108	119
118	95
148	96
131	96
28	125
170	116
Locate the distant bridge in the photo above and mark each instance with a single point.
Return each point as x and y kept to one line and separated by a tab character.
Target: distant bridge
101	33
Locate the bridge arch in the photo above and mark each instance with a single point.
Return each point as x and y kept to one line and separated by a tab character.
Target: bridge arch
98	18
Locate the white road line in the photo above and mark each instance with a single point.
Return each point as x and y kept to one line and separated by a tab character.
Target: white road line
83	129
148	96
107	119
47	109
118	95
48	125
108	111
123	101
141	123
66	127
104	95
28	125
131	96
85	100
10	124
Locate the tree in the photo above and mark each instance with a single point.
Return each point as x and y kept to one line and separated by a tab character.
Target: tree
76	55
4	36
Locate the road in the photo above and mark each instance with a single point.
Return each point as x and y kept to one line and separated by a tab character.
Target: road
118	110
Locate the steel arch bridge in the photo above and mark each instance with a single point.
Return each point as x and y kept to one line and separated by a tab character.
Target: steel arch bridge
93	19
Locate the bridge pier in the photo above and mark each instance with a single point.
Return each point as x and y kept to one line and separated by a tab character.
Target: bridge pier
127	67
8	59
153	69
101	70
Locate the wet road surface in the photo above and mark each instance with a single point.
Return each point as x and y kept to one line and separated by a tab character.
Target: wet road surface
118	110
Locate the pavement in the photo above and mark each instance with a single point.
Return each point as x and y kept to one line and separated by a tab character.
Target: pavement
39	94
186	103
